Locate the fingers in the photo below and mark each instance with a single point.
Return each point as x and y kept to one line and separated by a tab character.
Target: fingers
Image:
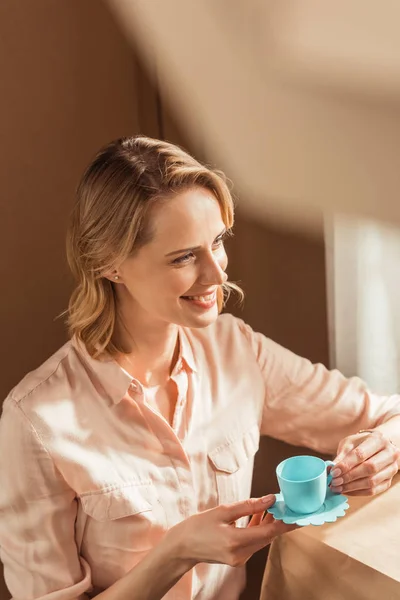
368	466
265	519
264	534
369	485
256	520
385	485
371	445
367	470
260	541
279	528
260	532
346	446
232	512
268	518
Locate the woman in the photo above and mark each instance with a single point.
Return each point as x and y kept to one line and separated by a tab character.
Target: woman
127	456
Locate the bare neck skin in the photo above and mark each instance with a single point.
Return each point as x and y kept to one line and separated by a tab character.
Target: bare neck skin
153	345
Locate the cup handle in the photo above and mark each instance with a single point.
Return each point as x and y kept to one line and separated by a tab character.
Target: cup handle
329	463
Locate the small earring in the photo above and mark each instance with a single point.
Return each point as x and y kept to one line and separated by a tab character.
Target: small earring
116	277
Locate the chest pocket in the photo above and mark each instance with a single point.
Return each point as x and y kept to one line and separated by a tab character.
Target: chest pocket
130	518
232	463
119	503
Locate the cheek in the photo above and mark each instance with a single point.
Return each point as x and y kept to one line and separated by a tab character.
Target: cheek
182	280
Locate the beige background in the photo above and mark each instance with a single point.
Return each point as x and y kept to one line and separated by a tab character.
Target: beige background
70	83
300	99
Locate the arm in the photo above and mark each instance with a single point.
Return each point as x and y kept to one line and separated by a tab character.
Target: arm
152	578
210	537
308	405
37	518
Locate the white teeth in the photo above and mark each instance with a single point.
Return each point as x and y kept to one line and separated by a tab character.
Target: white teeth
207	298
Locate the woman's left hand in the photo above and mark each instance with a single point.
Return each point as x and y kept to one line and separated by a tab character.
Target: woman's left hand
365	464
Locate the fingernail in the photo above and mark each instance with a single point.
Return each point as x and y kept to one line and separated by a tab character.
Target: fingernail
268	498
337	481
336	472
336	490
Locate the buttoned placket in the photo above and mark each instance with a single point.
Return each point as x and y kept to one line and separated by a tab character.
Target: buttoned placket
179	422
170	439
173	447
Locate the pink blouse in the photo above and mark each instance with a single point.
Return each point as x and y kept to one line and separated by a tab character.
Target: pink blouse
92	476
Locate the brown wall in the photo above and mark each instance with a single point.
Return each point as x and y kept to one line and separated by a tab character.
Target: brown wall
69	83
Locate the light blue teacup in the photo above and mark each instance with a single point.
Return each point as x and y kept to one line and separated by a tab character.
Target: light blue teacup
304	481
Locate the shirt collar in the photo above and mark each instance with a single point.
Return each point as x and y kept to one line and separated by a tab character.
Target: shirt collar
186	350
116	381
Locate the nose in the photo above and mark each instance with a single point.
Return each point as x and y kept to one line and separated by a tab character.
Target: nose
213	270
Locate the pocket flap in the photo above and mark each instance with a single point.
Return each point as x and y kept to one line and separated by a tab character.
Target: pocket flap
233	454
118	503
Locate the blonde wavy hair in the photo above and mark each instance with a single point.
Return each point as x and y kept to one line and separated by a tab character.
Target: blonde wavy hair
109	223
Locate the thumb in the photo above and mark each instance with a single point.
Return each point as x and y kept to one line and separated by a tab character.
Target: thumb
234	511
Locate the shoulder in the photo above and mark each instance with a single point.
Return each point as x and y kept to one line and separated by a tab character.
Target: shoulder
50	379
227	332
230	336
229	327
48	402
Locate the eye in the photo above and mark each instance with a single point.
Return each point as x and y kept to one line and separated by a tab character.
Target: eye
219	241
181	260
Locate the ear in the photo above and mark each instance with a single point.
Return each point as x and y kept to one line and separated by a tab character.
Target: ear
114	276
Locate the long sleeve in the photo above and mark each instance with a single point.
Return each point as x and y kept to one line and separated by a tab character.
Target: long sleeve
37	518
308	405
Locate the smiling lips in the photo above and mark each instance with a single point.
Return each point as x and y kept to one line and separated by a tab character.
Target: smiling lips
204	301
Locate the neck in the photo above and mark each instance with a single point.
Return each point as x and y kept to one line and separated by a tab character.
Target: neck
152	348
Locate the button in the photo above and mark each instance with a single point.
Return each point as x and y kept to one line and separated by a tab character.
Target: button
135	388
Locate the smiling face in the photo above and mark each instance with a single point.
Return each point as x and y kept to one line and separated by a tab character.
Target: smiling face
174	277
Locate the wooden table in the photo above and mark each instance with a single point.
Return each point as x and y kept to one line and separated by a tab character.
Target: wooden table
355	558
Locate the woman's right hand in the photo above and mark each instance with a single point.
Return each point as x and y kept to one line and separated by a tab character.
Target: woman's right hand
212	537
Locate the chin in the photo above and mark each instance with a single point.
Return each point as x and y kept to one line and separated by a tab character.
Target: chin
201	321
195	321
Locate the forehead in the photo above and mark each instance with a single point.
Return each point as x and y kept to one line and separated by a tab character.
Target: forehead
192	211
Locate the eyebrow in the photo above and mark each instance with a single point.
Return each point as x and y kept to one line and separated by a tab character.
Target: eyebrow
194	248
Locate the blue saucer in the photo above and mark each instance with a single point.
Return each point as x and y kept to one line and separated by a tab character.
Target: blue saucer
334	507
